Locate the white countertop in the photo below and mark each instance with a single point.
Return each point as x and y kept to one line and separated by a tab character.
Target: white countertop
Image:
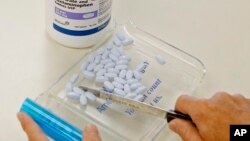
216	32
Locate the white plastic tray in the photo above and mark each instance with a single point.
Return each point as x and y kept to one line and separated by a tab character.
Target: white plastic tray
181	74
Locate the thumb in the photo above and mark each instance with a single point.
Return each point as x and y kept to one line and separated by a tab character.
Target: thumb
91	133
186	130
32	130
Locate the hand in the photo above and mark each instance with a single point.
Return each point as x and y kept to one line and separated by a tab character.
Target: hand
34	133
212	117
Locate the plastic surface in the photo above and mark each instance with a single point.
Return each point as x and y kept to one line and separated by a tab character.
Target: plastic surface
52	125
180	74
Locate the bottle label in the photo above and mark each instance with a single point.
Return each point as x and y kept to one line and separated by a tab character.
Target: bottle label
81	17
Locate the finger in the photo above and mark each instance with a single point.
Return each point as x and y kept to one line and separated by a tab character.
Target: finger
91	133
241	100
32	130
185	104
238	95
223	99
186	130
221	95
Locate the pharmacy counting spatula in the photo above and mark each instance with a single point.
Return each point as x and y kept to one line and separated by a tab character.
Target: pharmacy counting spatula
137	105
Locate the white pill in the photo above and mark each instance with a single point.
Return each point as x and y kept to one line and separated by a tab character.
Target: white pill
122	62
110	45
113	57
105	54
129	75
119	92
140	90
78	90
97	59
91	67
121	50
109	86
128	41
160	59
84	66
127	88
115	52
135	85
137	75
131	81
110	75
73	95
106	61
109	65
100	51
101	79
122	73
117	42
98	67
117	85
140	67
83	100
89	75
139	97
113	70
90	96
131	95
120	80
69	87
92	57
74	78
125	57
121	67
101	72
121	36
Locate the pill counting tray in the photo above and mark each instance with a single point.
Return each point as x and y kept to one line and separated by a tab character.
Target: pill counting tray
181	74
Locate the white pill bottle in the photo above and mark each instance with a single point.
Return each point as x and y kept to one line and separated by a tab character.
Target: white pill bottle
78	23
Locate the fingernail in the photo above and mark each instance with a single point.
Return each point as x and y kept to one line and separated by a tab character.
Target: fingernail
90	128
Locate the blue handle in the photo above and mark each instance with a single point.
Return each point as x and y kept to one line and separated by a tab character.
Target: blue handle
53	126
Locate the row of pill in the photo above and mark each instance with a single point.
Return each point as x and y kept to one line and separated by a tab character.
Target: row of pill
122	39
76	93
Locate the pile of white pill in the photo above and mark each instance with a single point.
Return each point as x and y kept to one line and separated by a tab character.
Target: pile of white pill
109	68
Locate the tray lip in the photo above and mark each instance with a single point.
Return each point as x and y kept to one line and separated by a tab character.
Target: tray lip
202	66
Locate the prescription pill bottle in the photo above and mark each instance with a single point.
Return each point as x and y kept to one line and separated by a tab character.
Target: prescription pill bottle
78	23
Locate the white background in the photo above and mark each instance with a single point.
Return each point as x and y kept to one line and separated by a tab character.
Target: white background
215	31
